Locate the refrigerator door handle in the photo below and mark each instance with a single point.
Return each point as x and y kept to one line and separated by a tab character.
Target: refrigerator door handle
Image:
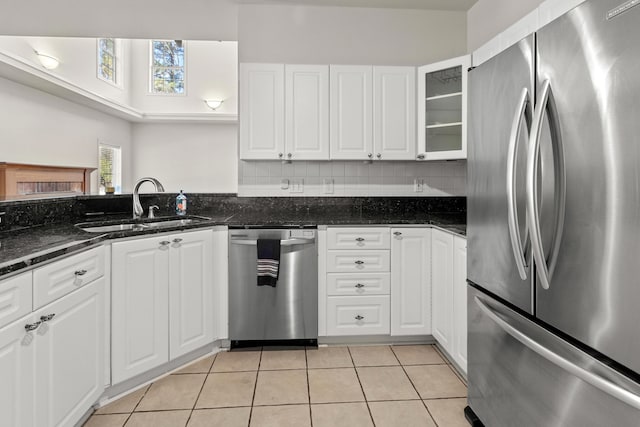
597	381
524	110
545	103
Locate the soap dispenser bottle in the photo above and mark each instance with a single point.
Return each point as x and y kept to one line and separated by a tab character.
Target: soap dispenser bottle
181	204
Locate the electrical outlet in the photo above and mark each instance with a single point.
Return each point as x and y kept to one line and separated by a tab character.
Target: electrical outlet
297	185
418	185
327	186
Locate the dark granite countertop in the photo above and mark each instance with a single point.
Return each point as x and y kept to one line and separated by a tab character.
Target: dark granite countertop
22	248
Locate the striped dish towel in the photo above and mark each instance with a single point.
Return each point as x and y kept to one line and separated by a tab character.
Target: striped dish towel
268	262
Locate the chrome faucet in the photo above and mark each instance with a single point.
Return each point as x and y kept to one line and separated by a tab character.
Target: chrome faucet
137	207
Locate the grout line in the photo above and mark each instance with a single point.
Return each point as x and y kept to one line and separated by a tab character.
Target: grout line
195	402
366	402
255	387
306	364
137	404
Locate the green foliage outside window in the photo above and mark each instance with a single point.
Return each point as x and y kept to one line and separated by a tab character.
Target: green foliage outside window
167	66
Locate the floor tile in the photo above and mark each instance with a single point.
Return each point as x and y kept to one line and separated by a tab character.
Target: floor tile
281	388
341	415
373	356
329	357
281	416
448	412
172	392
201	366
112	420
407	413
436	381
159	419
334	385
282	359
228	389
386	383
417	355
224	417
125	404
232	361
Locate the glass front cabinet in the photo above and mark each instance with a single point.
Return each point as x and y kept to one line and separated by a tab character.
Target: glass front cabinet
442	109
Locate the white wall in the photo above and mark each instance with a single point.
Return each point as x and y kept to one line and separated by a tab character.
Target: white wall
189	157
38	128
212	73
334	35
487	18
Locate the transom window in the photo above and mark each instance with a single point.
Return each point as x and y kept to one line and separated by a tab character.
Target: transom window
167	67
108	60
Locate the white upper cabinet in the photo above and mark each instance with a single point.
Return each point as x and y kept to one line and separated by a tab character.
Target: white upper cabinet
394	113
261	111
442	110
307	112
351	100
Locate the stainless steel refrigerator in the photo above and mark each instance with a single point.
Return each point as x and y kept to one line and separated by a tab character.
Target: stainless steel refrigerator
554	225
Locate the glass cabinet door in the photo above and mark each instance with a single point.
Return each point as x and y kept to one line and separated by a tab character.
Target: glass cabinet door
442	110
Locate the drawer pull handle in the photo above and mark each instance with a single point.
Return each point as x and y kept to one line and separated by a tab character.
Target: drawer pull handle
359	239
397	233
31	326
80	272
359	285
165	242
358	317
47	317
177	240
359	262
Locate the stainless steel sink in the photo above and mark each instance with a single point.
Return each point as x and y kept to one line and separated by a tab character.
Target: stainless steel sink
138	226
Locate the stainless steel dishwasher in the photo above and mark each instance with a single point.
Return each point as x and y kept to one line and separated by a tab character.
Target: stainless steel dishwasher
286	314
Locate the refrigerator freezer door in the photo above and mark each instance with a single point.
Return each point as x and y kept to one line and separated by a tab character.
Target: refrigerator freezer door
592	65
501	94
522	375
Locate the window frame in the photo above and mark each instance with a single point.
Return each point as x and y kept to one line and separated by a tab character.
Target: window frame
116	169
117	52
150	90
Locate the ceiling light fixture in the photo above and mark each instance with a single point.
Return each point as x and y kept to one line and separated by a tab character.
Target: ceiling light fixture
213	103
49	62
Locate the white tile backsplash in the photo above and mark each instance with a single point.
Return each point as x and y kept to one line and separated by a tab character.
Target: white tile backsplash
353	178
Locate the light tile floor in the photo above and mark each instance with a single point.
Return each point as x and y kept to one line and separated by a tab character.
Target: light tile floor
383	386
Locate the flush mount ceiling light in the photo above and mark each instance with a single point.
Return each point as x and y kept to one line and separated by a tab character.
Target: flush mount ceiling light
49	62
213	103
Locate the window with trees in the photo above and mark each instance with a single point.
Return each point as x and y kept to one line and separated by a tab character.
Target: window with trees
109	168
167	67
108	60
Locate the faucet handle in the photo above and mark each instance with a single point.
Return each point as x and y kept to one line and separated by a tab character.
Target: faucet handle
151	210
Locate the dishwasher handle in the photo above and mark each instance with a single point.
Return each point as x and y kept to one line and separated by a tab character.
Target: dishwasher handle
287	242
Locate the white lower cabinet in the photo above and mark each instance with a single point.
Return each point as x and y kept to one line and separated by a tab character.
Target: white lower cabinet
162	300
362	315
53	373
449	265
410	281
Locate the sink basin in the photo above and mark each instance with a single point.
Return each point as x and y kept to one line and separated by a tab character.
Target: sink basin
128	225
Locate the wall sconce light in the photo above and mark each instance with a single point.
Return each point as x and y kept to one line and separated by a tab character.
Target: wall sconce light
213	103
49	62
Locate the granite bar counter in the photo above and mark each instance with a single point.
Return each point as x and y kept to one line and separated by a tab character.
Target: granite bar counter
43	230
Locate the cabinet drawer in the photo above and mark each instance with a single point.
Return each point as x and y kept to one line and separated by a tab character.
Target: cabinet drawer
358	284
15	297
358	238
357	261
59	278
366	315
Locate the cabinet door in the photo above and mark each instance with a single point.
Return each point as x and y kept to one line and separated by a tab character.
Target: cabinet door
307	112
69	356
410	281
351	99
394	113
442	287
140	310
460	302
190	292
16	371
261	111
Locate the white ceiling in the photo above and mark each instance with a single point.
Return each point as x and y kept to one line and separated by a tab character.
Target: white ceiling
461	5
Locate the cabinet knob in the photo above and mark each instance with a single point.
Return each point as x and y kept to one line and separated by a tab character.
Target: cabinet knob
370	155
47	317
359	262
80	272
289	155
358	317
177	240
32	326
379	156
397	233
359	285
165	242
280	155
420	157
359	239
